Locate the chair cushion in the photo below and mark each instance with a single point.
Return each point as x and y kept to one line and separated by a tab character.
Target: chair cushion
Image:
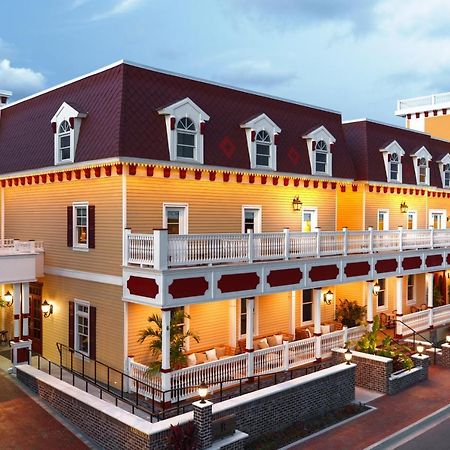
221	351
201	358
211	355
279	338
272	341
324	329
191	360
263	343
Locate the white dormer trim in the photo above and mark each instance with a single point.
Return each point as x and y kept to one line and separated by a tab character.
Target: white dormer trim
67	113
422	153
252	128
173	113
312	138
393	148
442	163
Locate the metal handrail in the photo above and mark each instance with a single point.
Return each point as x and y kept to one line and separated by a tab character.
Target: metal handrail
433	344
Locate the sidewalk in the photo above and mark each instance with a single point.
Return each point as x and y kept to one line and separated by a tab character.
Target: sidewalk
24	424
393	414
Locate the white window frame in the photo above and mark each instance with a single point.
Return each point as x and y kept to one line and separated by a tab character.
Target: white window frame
184	222
255	126
177	111
412	301
255	317
307	322
417	156
194	133
443	212
414	221
393	147
69	114
258	217
315	216
386	219
75	244
75	325
385	306
312	138
442	163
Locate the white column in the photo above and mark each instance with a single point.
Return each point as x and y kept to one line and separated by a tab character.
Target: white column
429	282
165	352
16	311
187	326
25	310
2	310
317	297
232	320
160	248
249	336
292	315
399	305
2	219
369	303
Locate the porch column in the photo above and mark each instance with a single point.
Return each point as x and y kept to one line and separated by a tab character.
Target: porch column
429	282
399	305
16	311
369	304
187	326
249	336
317	297
165	353
233	320
25	310
292	315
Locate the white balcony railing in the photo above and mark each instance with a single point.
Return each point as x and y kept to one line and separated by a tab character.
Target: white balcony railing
161	250
16	247
431	101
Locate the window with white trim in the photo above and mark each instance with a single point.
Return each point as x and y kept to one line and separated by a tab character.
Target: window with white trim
319	142
446	175
392	157
243	312
307	306
81	327
175	218
251	219
394	165
321	157
80	225
64	141
186	137
410	291
263	143
421	159
381	297
383	220
411	220
423	170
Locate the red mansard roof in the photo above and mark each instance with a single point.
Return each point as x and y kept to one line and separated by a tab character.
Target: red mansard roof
122	120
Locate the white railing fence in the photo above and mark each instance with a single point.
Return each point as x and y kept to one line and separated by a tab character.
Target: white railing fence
441	315
15	246
200	249
418	321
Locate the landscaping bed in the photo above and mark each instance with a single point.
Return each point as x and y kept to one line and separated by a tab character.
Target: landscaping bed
304	428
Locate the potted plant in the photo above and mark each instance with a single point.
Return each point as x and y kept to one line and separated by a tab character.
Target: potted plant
349	313
177	339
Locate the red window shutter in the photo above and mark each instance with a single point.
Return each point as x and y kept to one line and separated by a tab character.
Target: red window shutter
92	330
54	127
91	231
70	226
389	156
71	324
253	133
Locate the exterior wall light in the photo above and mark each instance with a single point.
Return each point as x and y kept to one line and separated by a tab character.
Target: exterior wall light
8	299
47	309
328	297
296	204
420	349
203	391
376	288
403	208
348	355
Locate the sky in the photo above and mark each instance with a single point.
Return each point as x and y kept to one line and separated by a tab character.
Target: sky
354	56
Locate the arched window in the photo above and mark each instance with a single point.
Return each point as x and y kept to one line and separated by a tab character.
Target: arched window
446	169
186	134
64	140
263	149
422	164
321	156
393	167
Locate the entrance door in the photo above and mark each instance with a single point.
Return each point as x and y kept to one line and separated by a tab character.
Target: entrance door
437	219
36	317
309	220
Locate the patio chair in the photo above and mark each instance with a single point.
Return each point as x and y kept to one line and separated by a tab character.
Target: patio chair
423	307
384	320
413	309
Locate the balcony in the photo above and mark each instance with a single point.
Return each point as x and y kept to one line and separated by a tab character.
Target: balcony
21	261
425	103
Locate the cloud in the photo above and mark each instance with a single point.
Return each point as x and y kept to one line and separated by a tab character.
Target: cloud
121	7
22	81
255	73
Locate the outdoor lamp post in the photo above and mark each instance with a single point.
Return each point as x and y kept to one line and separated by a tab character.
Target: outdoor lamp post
296	204
203	391
348	355
420	349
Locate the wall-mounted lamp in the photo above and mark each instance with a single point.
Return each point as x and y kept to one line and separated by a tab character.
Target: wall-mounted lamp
376	288
448	275
8	298
328	297
403	208
47	309
296	204
203	391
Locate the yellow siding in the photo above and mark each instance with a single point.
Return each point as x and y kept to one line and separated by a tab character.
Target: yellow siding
350	209
273	313
39	212
438	126
351	292
106	298
217	206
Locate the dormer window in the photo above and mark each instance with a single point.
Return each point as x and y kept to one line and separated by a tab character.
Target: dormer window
185	122
262	134
66	124
319	142
446	177
392	157
421	159
186	136
444	169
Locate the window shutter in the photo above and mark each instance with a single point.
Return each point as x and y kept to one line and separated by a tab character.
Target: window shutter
92	329
389	156
71	324
253	135
54	127
91	231
70	226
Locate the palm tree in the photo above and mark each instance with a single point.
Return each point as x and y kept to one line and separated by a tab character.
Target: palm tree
177	339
